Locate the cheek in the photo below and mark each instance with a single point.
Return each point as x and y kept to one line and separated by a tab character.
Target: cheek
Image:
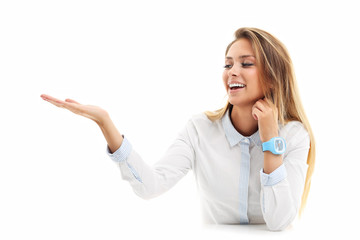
253	73
225	78
258	89
253	76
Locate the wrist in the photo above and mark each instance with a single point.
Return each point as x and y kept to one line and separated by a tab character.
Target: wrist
271	162
268	137
103	120
275	145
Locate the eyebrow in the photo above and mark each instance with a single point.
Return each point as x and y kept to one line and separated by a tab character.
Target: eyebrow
242	56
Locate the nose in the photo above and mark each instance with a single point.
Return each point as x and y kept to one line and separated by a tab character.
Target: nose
234	71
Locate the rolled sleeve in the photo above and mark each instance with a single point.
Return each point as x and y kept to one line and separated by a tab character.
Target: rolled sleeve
122	153
273	178
151	181
281	190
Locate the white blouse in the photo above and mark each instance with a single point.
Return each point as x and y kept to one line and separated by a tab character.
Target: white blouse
228	169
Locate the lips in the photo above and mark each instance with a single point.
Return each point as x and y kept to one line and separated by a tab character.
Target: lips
236	85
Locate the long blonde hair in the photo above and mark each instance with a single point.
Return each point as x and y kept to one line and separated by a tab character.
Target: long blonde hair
278	81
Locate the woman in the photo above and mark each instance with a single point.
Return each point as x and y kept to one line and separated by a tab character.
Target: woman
253	159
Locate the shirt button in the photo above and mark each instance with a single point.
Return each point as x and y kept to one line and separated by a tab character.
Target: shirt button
246	140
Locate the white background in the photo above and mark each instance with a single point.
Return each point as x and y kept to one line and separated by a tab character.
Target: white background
152	65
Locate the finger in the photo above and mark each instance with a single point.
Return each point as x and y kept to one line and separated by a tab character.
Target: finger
255	106
50	98
46	97
75	107
260	105
71	105
271	105
71	101
58	102
256	113
265	102
268	102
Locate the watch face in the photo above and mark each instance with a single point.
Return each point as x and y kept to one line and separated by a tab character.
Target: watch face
279	145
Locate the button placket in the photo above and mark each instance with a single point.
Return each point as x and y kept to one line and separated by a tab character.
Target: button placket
244	179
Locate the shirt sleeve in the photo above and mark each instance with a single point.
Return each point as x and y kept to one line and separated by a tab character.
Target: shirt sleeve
122	153
151	181
281	190
273	178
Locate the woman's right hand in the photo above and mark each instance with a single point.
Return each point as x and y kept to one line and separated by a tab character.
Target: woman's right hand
94	113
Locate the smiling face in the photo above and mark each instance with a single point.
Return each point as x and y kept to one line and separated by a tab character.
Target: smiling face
240	77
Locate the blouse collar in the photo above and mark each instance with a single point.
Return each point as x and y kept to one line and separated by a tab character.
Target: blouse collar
233	136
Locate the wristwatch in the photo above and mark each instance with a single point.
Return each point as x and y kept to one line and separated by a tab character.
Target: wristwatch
276	145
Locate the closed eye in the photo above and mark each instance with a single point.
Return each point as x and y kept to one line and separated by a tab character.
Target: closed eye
228	66
247	64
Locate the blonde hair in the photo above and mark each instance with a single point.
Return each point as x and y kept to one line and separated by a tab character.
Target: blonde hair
278	81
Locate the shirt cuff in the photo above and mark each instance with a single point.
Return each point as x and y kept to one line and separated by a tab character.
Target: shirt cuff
122	153
273	178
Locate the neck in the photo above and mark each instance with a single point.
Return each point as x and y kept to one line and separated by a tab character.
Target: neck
243	121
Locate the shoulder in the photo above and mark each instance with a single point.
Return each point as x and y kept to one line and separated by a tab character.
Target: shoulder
200	120
200	124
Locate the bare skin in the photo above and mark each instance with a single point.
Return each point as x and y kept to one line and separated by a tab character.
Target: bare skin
98	115
251	111
263	113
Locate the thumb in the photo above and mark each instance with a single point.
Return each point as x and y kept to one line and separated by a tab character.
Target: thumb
71	101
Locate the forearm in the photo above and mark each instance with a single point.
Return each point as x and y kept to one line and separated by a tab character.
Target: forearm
112	135
271	162
282	188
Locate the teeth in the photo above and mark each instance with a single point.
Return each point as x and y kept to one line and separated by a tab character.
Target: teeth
231	85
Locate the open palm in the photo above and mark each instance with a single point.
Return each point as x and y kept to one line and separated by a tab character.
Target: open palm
94	113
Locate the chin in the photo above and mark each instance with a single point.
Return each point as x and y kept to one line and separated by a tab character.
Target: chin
242	102
237	101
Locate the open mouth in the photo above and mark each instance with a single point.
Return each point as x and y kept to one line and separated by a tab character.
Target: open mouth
234	86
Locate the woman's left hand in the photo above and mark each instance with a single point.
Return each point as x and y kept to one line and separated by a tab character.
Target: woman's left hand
266	113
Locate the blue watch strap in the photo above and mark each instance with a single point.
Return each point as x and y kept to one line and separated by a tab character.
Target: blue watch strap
276	145
268	146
